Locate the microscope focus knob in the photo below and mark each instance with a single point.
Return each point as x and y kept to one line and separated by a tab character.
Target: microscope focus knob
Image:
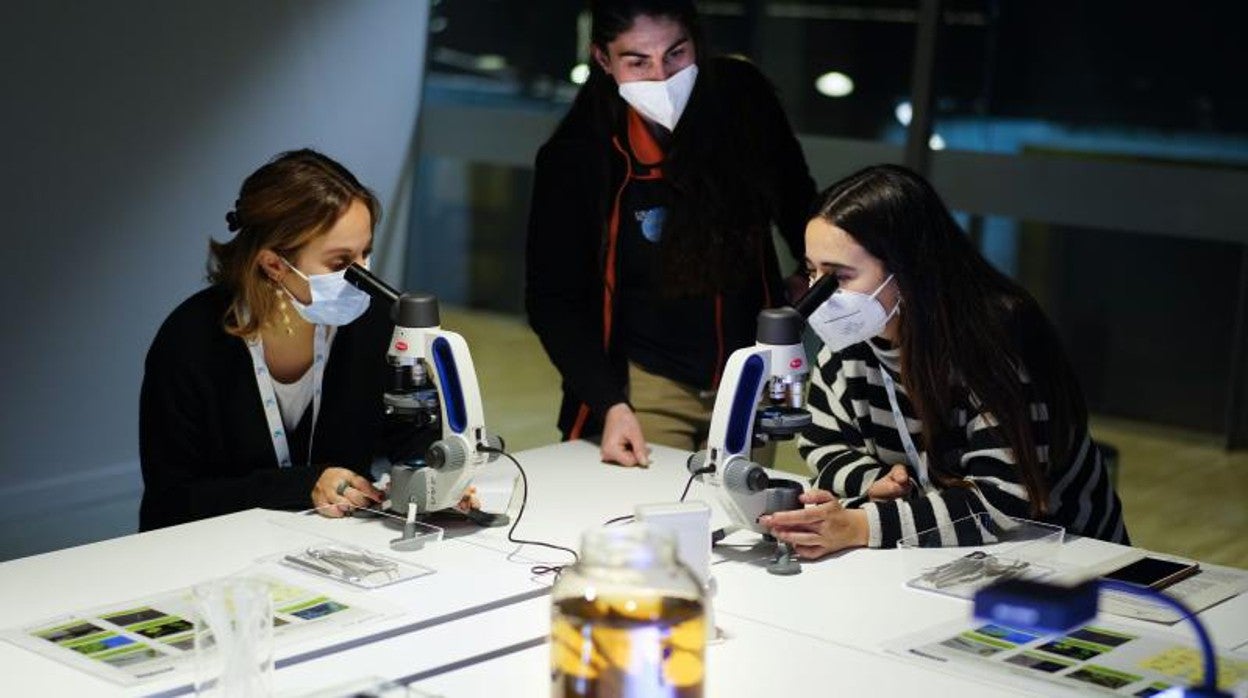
696	462
446	452
741	475
782	495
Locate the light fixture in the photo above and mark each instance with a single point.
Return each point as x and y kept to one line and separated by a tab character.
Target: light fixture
579	74
490	62
834	84
936	142
903	112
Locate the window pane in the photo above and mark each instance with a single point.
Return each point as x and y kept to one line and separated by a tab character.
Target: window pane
1096	77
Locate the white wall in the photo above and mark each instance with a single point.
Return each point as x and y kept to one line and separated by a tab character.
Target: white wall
126	129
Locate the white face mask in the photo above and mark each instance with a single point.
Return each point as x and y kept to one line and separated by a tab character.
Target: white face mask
661	101
850	317
334	300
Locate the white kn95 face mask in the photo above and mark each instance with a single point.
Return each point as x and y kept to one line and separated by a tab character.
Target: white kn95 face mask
849	317
661	101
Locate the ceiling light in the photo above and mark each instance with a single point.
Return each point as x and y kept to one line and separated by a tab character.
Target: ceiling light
490	62
903	112
834	84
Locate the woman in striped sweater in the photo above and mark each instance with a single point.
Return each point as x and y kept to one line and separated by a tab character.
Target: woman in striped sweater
942	391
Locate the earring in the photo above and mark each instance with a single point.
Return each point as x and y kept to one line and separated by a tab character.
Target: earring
282	308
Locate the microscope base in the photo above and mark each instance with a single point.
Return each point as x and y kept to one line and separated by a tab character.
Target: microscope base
486	519
784	564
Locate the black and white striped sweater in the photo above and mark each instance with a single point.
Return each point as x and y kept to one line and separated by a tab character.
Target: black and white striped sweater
854	440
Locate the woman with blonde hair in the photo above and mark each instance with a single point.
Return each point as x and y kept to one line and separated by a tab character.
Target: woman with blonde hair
265	389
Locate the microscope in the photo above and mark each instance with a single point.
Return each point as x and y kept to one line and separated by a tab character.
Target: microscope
760	399
432	386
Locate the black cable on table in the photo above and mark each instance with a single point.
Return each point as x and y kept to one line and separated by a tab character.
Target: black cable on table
524	499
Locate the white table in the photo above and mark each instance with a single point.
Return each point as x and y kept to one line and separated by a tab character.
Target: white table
470	580
847	605
477	626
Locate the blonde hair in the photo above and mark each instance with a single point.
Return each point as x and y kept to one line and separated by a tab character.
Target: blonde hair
288	202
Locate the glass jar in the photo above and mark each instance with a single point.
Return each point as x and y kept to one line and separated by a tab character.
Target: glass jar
628	619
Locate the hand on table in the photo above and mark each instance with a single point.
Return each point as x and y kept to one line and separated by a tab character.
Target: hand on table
895	484
468	501
340	490
622	440
821	528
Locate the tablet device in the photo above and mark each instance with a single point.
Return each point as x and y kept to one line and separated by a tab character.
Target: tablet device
1153	572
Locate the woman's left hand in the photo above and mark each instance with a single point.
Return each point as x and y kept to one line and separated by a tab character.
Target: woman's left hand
822	528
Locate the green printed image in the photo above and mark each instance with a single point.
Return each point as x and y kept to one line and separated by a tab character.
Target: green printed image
320	610
129	656
134	616
63	634
186	643
103	643
976	645
167	625
1103	676
316	608
1151	690
1010	635
1039	662
1099	636
1074	649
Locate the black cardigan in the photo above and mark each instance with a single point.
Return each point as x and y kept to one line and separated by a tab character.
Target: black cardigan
578	172
203	438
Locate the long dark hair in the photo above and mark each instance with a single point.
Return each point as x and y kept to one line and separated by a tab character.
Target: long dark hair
960	318
284	204
720	217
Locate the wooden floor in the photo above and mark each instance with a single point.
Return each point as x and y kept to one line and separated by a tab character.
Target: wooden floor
1183	494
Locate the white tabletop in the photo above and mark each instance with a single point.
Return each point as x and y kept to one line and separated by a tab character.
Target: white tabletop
468	580
857	596
757	660
480	621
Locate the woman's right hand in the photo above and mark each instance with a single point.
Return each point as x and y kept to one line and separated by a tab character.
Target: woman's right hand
895	485
340	490
622	440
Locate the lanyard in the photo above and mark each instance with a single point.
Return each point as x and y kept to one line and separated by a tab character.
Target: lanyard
272	413
912	453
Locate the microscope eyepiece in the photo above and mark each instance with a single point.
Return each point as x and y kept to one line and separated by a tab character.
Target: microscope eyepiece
370	283
816	295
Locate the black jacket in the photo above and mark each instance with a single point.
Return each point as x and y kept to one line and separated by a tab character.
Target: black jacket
578	173
203	438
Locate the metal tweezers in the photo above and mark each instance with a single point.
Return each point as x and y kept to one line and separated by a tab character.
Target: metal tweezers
354	566
973	566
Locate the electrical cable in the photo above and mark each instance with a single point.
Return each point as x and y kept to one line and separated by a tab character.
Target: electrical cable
692	477
524	499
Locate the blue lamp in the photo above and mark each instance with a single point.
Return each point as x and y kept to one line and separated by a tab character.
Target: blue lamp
1049	608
